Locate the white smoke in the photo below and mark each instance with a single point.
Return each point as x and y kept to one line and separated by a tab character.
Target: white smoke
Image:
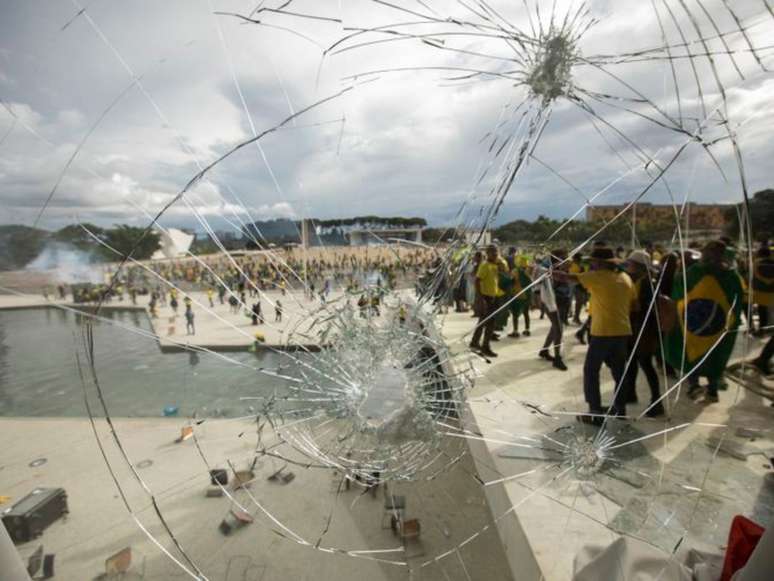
69	264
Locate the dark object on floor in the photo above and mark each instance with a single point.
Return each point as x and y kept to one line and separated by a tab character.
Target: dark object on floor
28	518
219	476
48	567
34	562
235	519
409	530
243	479
214	492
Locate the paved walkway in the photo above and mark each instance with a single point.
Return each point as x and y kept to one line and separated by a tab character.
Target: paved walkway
683	482
569	512
218	327
99	524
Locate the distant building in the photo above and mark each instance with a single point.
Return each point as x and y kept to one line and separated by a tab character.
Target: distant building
376	236
708	218
475	236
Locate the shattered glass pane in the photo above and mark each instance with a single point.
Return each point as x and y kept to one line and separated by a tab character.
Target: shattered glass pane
324	414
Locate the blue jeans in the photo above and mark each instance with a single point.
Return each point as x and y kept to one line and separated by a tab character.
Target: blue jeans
612	352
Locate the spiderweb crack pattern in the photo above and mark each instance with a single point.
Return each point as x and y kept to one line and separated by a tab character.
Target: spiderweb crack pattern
388	398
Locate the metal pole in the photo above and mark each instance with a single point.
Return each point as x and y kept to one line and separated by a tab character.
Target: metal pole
11	566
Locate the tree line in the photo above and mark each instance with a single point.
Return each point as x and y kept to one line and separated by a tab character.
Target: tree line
20	245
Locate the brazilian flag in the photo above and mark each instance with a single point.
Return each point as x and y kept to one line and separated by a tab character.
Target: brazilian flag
711	306
763	282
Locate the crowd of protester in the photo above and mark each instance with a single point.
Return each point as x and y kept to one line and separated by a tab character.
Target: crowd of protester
650	310
636	311
239	281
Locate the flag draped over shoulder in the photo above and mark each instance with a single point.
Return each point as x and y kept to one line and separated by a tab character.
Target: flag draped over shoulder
707	307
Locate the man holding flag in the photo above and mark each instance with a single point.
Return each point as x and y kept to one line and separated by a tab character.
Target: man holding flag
709	306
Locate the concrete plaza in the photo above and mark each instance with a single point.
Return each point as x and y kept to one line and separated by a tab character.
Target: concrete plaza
683	473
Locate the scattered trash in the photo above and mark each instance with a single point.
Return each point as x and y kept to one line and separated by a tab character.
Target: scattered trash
219	476
274	475
243	479
215	492
38	559
236	519
48	566
119	562
38	462
30	516
278	476
170	410
35	561
185	433
147	463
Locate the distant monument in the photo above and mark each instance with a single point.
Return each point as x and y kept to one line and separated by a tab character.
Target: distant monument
173	244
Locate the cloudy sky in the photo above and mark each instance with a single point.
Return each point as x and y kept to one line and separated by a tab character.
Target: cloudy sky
115	109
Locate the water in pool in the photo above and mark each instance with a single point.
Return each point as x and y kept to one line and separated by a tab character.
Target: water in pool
39	376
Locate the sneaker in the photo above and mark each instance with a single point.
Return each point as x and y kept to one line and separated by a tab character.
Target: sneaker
656	411
515	334
559	364
580	337
488	352
495	338
545	355
711	398
475	347
694	391
526	333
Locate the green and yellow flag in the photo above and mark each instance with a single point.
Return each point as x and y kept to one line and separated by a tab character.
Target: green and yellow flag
711	306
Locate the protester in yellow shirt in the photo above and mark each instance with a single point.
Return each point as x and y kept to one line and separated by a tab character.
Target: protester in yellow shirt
487	293
612	297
